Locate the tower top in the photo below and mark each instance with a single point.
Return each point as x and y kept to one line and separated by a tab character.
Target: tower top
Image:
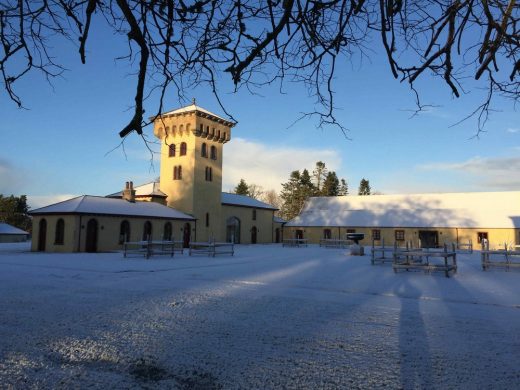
198	111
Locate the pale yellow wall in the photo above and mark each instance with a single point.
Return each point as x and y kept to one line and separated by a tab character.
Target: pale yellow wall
71	231
496	237
264	223
108	231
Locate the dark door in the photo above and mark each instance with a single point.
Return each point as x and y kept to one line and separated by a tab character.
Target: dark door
92	233
254	230
277	232
429	239
299	234
42	234
187	235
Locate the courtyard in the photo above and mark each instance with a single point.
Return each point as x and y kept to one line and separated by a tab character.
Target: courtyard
268	317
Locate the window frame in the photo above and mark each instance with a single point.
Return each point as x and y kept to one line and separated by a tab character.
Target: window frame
399	235
183	149
171	150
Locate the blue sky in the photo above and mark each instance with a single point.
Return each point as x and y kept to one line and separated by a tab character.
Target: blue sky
61	145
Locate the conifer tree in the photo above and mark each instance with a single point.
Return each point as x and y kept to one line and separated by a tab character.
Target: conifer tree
242	188
364	187
343	188
290	196
319	174
330	185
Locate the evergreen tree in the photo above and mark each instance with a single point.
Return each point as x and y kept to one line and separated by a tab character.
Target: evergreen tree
343	188
364	187
330	185
242	188
13	210
307	189
319	174
290	196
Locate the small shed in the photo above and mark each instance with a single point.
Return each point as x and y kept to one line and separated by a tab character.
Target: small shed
9	233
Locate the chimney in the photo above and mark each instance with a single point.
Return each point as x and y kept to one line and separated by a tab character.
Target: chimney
129	192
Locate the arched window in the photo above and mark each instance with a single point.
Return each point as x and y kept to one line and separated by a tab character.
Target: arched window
181	129
209	174
177	172
188	129
174	130
147	231
204	150
171	150
213	152
225	136
124	232
183	148
207	219
167	235
60	232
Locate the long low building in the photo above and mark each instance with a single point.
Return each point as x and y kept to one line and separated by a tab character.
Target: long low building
425	219
9	233
97	224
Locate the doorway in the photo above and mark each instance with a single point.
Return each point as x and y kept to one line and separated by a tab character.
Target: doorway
429	238
233	230
92	236
254	232
42	234
186	235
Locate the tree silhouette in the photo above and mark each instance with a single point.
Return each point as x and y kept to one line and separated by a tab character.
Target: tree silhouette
183	44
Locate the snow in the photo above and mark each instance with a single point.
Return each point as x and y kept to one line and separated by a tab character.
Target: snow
194	107
268	317
88	204
461	210
148	189
242	200
5	228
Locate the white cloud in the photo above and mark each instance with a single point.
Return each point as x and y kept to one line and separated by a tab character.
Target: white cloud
492	173
37	201
10	178
513	130
269	166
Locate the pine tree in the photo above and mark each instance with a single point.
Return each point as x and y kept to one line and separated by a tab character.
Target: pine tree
364	187
330	185
242	188
290	196
343	188
319	174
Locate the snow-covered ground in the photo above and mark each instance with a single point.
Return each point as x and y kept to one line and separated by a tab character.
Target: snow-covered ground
269	317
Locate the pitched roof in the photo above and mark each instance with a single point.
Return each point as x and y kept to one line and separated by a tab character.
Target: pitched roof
148	189
88	204
477	209
244	201
197	109
5	228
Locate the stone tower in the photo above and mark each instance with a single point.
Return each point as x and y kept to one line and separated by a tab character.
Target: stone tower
192	140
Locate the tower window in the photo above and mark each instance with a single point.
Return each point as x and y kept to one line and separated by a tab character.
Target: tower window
209	174
177	172
254	214
207	219
183	149
213	152
171	150
60	232
204	150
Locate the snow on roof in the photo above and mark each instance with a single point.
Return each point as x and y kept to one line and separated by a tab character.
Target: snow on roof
477	209
278	220
194	108
88	204
5	228
245	201
148	189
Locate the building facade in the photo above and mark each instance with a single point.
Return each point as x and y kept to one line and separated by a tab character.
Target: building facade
426	220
